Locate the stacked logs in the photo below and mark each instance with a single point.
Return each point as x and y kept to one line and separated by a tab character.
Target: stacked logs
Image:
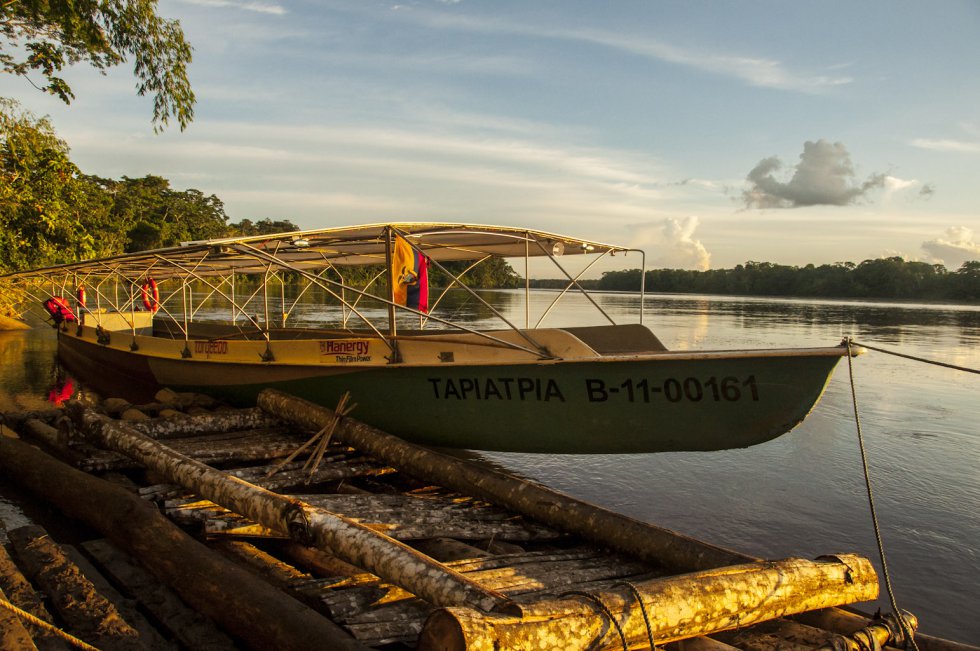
376	562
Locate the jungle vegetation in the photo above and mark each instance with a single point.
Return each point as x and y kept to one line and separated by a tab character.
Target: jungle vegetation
883	278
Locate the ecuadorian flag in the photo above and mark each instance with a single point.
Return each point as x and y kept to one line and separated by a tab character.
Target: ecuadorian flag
410	270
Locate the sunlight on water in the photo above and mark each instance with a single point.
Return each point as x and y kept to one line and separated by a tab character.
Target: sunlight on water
801	494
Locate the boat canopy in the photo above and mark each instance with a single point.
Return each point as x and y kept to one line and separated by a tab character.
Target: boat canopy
315	249
129	282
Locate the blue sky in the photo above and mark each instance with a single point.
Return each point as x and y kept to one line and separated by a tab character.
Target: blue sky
707	133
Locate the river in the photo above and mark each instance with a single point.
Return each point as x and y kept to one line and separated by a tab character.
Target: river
802	494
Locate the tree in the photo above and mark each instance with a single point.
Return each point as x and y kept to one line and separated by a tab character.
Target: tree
46	207
967	281
265	226
44	36
152	215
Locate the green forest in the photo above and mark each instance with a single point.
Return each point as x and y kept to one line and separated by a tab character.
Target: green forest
885	278
52	212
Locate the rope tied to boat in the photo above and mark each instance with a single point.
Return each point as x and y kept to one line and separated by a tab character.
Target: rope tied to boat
51	628
909	638
913	357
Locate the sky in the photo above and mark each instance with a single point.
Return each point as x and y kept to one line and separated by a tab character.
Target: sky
706	133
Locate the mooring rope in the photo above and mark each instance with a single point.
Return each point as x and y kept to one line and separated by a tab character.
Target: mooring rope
605	611
918	359
40	623
643	610
909	637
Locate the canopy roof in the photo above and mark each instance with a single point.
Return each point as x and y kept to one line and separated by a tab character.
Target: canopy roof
314	249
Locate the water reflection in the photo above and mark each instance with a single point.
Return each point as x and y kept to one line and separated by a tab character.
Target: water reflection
29	369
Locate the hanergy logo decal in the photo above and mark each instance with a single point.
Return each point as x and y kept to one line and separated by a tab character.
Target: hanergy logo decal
346	351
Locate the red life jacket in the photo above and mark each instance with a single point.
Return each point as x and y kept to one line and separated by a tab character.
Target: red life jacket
58	308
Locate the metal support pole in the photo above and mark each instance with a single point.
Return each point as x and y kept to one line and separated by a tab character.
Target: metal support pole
392	328
527	281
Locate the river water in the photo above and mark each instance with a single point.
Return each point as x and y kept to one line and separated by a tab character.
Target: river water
802	494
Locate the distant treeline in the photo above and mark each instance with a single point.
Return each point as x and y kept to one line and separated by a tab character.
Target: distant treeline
892	278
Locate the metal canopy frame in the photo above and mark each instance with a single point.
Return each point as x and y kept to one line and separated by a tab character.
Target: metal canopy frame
314	256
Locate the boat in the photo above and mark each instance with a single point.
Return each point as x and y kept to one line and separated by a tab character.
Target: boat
409	365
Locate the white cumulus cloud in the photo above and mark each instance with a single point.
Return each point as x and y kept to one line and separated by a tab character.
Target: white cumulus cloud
823	177
672	244
954	248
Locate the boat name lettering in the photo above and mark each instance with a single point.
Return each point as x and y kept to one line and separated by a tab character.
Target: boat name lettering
727	389
211	347
345	348
501	388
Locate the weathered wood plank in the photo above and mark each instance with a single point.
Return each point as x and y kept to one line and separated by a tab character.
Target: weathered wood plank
346	538
13	635
260	615
193	630
21	594
222	421
563	513
90	616
776	634
521	577
399	516
149	638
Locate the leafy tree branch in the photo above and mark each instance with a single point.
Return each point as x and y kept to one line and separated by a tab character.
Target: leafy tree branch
45	36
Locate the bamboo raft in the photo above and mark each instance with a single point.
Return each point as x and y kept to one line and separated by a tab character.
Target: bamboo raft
363	540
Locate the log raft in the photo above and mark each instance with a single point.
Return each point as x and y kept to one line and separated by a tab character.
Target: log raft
385	543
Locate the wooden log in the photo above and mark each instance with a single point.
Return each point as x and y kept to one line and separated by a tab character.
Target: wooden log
14	419
13	635
700	644
149	638
193	630
885	631
316	560
262	563
21	594
846	622
258	614
346	538
678	607
776	634
449	549
210	423
648	542
520	577
88	614
50	438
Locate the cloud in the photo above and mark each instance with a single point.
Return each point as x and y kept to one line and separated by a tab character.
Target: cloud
763	72
823	177
949	145
257	7
753	70
954	249
674	244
